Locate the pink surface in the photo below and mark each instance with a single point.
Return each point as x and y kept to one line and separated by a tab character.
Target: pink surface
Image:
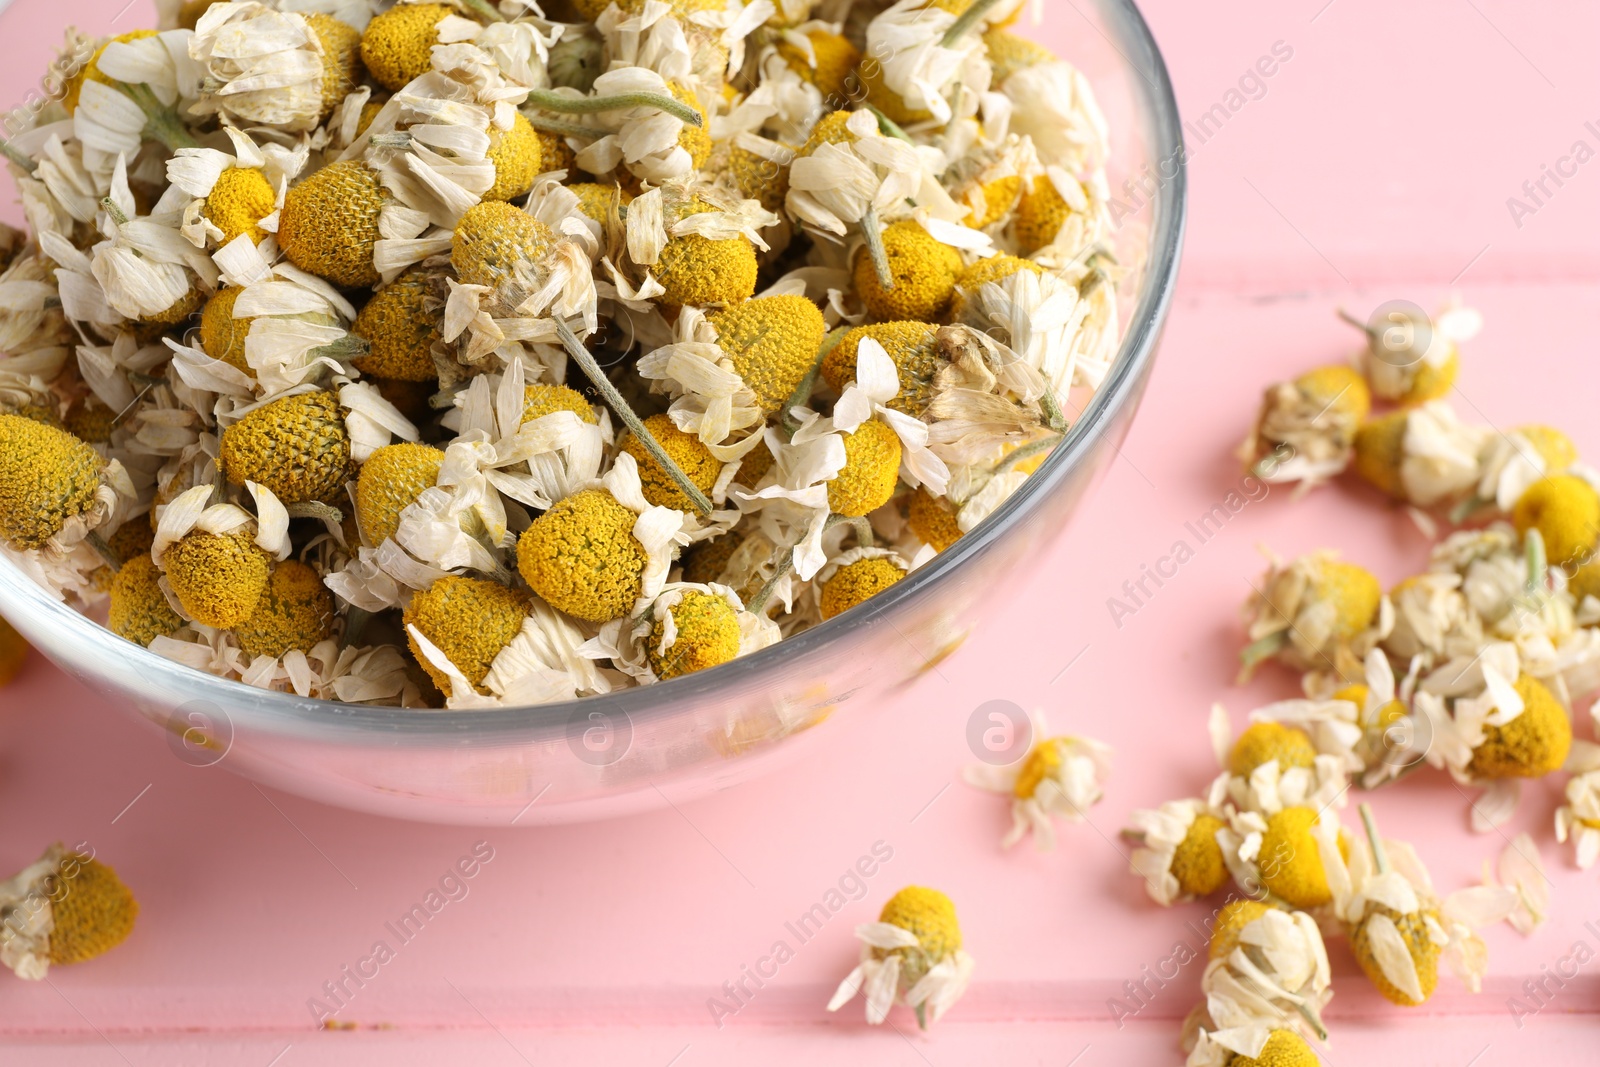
1377	165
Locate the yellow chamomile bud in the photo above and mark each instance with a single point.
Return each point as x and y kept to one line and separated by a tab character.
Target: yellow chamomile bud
221	335
329	222
390	481
92	912
13	652
543	398
707	634
772	342
582	558
495	242
401	325
1291	866
295	612
1231	921
924	271
139	610
470	620
1197	863
218	578
1533	744
1555	448
829	66
1284	1048
1040	213
1565	510
237	203
931	916
1419	945
914	348
857	582
297	446
933	520
687	451
1263	741
397	46
47	476
1338	386
517	160
698	270
871	470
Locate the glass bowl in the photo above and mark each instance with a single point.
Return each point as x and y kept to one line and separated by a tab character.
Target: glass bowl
610	755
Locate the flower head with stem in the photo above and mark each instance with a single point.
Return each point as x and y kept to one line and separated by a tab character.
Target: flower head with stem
912	955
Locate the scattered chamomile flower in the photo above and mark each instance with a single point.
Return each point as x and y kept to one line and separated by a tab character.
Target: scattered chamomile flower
1178	854
1061	776
1514	461
1315	613
1268	970
912	955
1409	360
65	907
1423	455
1565	509
1306	431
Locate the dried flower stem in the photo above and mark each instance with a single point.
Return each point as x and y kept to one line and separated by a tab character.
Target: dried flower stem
104	551
162	123
889	126
586	362
486	9
964	23
1379	857
873	234
549	100
1028	451
566	129
315	509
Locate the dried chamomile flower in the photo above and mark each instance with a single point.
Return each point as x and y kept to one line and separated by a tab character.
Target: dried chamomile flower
1178	854
65	907
1410	359
1268	970
854	577
583	558
912	955
912	346
517	160
923	271
389	482
1565	509
47	478
772	341
329	223
467	620
821	57
1315	613
396	47
694	268
233	193
139	609
13	652
1423	455
1049	203
1253	1046
1526	744
1009	53
933	519
686	450
298	447
295	611
923	65
401	325
273	68
1307	428
1514	461
683	629
1579	818
218	578
1061	776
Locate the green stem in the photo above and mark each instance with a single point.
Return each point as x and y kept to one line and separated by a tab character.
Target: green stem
549	100
566	129
783	562
1258	651
350	346
874	237
486	9
315	509
889	127
1313	1019
162	123
586	362
1379	856
968	19
1538	564
802	392
1027	451
1055	418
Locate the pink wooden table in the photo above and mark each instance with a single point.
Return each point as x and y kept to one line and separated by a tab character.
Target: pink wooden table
1377	164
